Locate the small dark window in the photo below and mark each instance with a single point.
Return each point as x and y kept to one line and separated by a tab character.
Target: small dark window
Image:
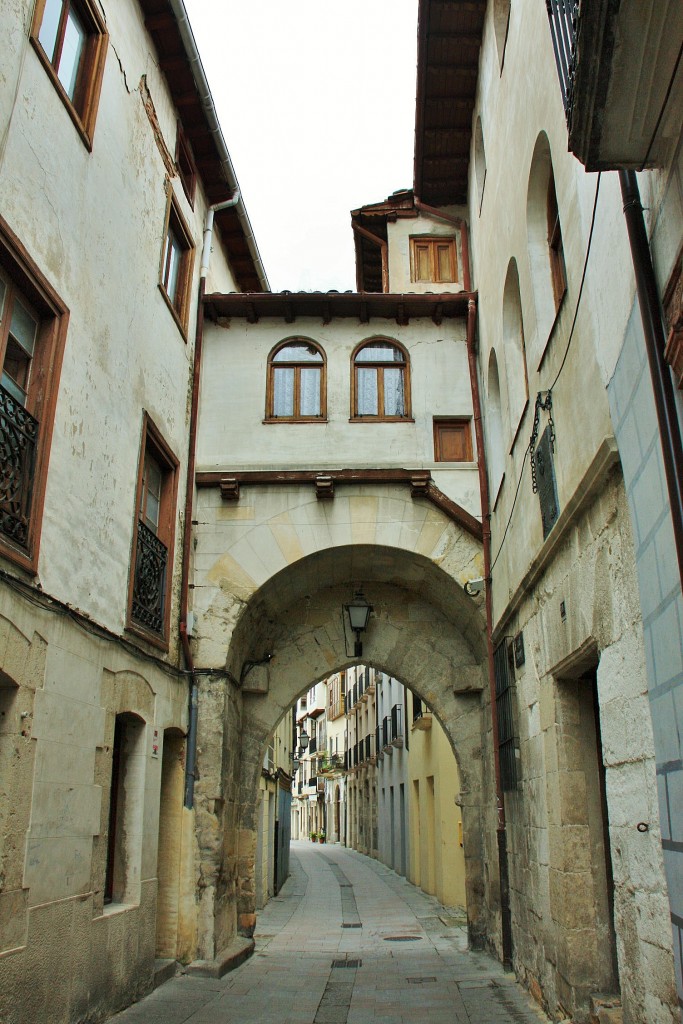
558	270
176	265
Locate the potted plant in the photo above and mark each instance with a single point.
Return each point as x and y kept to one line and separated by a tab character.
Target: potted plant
321	835
313	836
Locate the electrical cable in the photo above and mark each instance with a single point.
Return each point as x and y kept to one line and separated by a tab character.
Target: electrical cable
564	360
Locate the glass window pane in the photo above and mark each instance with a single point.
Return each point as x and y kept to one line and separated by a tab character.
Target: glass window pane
310	392
380	352
366	391
23	327
15	370
298	353
283	391
394	400
172	261
72	51
151	492
47	37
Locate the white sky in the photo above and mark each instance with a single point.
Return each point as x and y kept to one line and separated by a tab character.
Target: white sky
316	100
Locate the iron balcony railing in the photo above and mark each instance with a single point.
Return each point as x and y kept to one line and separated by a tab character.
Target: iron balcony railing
18	437
369	744
397	721
386	731
563	16
149	585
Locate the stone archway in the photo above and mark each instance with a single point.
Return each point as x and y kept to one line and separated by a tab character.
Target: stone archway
424	631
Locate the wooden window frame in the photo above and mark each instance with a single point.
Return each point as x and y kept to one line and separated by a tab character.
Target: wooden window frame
82	109
558	270
179	304
380	417
452	421
152	442
432	242
297	366
24	276
184	161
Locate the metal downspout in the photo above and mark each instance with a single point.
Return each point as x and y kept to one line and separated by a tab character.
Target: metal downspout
191	753
662	386
506	918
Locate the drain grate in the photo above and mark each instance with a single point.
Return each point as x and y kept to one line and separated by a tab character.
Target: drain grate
353	964
402	938
354	925
419	981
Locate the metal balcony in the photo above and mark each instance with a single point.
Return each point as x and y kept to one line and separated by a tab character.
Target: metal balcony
617	64
18	437
149	584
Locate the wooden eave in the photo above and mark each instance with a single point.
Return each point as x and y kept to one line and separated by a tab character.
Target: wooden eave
374	217
327	306
175	63
449	41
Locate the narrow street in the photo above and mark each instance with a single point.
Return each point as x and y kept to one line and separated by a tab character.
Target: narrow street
348	941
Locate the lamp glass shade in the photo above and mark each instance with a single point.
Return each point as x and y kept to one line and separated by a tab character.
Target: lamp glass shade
359	613
303	738
295	764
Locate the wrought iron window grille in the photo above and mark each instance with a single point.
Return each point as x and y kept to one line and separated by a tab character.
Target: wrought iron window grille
18	439
149	585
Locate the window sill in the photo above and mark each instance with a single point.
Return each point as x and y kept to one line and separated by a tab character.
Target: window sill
114	908
553	329
381	419
18	557
519	427
174	312
295	419
86	133
141	633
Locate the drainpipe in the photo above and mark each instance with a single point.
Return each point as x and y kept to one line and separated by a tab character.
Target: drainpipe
191	759
506	918
662	387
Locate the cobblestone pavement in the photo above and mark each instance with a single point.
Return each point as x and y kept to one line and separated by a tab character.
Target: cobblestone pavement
348	941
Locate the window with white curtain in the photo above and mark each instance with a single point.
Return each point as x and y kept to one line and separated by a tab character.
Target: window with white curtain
296	382
381	385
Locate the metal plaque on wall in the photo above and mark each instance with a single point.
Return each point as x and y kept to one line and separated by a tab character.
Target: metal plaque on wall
545	478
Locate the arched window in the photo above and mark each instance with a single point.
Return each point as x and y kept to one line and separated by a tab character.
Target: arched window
514	348
296	381
494	428
544	233
479	161
501	23
381	381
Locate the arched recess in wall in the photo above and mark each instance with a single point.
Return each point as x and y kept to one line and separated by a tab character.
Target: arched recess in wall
501	23
544	238
479	161
514	347
494	427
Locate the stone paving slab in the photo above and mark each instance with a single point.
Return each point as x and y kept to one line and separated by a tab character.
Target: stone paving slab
408	960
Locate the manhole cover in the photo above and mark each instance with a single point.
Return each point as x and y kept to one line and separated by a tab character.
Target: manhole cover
402	938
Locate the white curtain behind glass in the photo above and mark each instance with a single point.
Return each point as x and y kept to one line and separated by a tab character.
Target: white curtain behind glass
394	401
367	391
310	392
283	391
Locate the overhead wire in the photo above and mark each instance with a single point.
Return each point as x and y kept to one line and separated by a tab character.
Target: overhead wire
562	364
